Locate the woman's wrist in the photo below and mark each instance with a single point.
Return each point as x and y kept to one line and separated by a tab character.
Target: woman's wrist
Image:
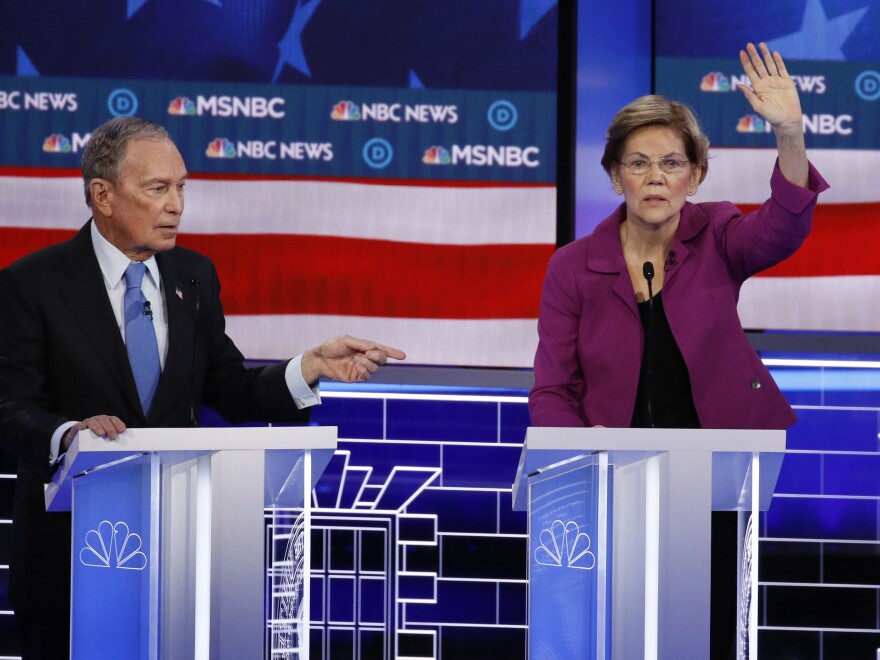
789	130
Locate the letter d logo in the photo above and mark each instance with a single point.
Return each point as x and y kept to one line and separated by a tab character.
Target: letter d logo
378	153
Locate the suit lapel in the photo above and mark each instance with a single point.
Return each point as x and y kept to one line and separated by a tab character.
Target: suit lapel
85	294
180	304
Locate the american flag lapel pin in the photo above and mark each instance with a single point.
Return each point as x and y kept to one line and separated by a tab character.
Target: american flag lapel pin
178	292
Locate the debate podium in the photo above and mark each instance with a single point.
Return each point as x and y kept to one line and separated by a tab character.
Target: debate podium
169	556
620	536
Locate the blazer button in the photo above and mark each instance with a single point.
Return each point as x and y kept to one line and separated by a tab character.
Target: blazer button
756	384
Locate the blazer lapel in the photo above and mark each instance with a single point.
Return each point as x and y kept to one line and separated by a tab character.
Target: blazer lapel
85	293
693	221
606	256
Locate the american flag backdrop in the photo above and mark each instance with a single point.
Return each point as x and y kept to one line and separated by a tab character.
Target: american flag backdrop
833	281
443	250
833	55
450	272
383	169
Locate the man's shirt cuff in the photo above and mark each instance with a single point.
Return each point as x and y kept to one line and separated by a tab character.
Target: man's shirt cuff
303	395
55	454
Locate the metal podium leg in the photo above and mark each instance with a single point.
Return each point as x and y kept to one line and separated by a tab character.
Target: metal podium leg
307	554
753	542
603	578
652	556
203	560
684	574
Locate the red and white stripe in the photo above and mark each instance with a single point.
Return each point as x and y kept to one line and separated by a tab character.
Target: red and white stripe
450	273
833	281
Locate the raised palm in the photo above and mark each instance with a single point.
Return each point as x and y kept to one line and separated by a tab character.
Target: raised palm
773	94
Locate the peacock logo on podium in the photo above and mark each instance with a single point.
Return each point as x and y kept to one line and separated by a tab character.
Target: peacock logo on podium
566	546
113	546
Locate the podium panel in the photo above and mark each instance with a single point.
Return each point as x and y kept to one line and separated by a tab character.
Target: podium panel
646	497
168	556
115	536
567	523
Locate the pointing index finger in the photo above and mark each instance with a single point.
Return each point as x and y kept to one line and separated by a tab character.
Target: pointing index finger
364	345
395	353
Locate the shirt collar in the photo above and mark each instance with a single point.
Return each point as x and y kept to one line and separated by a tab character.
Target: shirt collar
113	262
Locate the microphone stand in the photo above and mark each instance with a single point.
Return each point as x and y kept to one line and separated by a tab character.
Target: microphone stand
648	272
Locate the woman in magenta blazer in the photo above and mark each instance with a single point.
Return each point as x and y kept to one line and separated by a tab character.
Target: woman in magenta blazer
615	350
612	354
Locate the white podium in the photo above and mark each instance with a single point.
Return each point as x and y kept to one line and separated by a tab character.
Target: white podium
620	536
168	556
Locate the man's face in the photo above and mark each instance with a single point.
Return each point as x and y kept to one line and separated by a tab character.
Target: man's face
143	208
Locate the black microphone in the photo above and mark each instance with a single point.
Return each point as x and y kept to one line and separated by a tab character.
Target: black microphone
648	272
193	419
148	311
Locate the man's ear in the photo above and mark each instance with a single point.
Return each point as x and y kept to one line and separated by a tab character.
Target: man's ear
101	192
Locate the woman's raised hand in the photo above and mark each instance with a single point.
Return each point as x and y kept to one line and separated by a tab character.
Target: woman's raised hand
773	94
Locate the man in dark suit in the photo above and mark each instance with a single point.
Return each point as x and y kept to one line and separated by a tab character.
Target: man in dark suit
73	355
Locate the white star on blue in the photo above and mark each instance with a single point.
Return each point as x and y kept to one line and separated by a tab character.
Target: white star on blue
24	66
290	49
414	81
820	37
132	6
532	11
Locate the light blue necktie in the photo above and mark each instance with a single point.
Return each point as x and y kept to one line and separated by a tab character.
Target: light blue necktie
140	337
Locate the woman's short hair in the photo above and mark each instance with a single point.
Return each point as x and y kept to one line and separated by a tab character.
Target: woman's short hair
105	151
656	110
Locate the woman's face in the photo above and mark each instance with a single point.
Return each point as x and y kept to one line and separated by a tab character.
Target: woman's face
654	198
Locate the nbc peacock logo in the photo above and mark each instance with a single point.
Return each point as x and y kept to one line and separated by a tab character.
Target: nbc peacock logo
715	82
220	148
113	546
564	545
345	111
752	124
182	106
57	144
436	156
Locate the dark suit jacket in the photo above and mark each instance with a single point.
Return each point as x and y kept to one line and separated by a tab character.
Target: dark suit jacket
62	358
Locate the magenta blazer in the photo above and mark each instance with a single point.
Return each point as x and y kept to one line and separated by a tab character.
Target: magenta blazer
590	336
